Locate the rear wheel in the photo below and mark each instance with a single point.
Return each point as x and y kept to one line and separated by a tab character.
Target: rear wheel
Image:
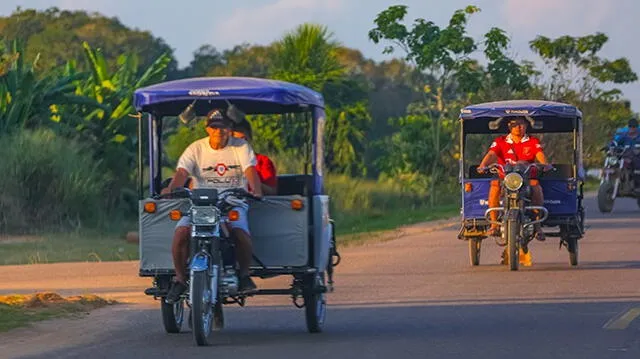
315	304
605	194
172	315
474	251
572	247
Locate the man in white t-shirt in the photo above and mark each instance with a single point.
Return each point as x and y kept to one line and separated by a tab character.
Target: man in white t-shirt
219	161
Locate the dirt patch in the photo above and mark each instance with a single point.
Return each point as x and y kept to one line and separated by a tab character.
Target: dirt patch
19	310
20	239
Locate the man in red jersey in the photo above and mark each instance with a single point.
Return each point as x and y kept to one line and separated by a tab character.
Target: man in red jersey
517	146
266	169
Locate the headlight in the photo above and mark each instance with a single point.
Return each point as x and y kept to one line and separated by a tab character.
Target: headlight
612	161
513	181
207	216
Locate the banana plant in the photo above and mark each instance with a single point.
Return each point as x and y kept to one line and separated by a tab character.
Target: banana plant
27	98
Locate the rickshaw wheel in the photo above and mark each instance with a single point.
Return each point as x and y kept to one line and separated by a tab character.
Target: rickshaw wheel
572	247
512	244
605	203
474	250
172	315
315	305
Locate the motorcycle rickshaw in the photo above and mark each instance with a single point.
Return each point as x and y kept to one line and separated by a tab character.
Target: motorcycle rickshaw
559	127
292	232
616	179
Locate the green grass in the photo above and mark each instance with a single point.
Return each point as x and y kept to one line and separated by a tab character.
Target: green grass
71	247
372	222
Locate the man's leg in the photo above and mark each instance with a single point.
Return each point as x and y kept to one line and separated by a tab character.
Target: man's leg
537	199
180	253
244	250
494	201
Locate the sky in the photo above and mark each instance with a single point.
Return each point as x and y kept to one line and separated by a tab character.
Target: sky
186	25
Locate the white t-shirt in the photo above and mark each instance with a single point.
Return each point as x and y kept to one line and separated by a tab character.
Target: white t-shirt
220	169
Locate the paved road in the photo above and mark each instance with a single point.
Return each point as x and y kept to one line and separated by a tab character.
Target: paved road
414	297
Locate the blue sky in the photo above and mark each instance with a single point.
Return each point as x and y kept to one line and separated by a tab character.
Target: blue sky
187	24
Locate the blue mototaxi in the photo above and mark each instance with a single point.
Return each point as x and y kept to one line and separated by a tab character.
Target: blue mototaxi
563	188
297	242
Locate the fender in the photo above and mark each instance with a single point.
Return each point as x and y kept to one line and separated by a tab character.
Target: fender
513	214
200	262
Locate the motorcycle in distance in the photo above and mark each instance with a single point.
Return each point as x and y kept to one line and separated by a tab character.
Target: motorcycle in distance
617	176
212	266
516	216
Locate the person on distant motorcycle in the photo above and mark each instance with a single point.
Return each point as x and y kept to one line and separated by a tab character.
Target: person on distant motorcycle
218	161
515	147
630	136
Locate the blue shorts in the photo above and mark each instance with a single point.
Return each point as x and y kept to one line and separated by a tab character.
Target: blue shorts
241	223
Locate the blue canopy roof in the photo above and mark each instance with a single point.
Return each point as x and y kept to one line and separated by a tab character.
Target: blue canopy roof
531	108
247	90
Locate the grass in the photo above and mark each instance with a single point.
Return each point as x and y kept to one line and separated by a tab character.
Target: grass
21	310
70	247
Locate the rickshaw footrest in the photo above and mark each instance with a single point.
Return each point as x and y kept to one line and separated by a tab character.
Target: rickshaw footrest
156	292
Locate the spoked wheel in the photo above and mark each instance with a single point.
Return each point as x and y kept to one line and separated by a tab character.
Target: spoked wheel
201	309
605	202
474	250
315	304
172	315
572	247
512	229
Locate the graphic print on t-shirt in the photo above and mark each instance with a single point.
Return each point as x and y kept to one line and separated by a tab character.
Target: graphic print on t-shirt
221	169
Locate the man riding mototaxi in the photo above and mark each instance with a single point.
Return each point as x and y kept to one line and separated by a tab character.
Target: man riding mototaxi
630	136
517	146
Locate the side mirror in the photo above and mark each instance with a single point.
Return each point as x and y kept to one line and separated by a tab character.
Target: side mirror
234	113
188	114
536	124
495	124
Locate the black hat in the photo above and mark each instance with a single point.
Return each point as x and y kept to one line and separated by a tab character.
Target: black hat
216	118
632	123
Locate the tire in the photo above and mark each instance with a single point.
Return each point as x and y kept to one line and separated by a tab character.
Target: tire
315	304
512	229
605	203
474	251
201	309
573	248
172	315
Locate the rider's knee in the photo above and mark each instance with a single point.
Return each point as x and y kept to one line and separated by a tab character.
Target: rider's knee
182	234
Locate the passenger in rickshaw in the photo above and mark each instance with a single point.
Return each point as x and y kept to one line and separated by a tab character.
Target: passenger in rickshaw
218	161
515	147
265	167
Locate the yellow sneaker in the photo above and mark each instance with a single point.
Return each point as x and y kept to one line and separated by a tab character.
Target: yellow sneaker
525	258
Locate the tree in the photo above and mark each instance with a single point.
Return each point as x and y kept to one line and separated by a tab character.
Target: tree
308	56
56	36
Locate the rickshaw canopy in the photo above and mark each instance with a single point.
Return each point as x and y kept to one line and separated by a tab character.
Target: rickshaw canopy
546	116
252	95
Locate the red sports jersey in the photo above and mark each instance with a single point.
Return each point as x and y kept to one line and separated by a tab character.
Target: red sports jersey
509	151
266	170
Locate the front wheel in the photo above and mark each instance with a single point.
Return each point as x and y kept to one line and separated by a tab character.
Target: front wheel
474	251
605	197
315	304
201	308
512	230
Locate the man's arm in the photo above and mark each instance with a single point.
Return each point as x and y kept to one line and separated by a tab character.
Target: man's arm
254	180
178	180
541	158
489	158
